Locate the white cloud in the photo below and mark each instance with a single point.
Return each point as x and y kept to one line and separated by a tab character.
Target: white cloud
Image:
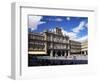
68	18
34	21
72	35
58	19
79	27
82	38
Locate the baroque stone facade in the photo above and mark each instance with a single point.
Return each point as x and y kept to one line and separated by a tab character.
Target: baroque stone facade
53	44
84	47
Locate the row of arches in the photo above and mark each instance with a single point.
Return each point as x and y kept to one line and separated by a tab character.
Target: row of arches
54	53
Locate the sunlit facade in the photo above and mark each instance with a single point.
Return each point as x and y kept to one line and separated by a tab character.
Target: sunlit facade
84	47
53	44
75	47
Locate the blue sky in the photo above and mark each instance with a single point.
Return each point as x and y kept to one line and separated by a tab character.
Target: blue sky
75	27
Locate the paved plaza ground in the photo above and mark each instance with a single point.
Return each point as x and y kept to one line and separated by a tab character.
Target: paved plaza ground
59	60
